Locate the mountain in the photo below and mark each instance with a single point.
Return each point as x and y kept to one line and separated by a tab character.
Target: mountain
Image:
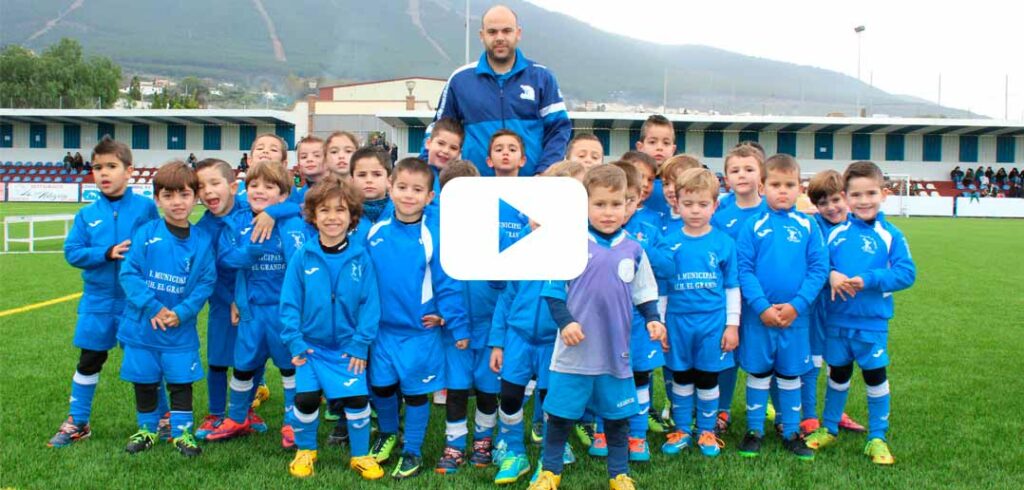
261	42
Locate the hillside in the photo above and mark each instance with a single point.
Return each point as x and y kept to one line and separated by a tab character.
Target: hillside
261	41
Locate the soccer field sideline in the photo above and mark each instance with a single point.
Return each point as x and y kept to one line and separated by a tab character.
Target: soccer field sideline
955	390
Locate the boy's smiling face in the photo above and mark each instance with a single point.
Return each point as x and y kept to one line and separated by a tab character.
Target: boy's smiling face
833	208
410	193
267	149
217	194
443	147
865	196
262	194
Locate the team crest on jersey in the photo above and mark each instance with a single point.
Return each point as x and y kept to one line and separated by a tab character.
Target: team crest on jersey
869	246
793	234
712	260
528	93
188	264
627	269
357	272
297	237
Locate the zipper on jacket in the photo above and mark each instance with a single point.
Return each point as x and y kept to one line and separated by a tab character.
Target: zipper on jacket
117	262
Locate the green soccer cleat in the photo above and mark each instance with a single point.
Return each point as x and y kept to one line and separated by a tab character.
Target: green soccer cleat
795	444
655	422
186	445
382	446
511	469
140	441
585	432
750	446
408	466
819	439
879	452
537	432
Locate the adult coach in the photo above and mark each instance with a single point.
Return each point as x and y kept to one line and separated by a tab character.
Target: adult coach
505	90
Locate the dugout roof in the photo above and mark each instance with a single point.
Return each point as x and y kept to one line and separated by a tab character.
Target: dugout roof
186	117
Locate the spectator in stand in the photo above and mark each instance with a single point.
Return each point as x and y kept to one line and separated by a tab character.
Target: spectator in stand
978	173
969	175
68	160
1014	176
989	173
243	164
394	152
77	164
956	175
192	160
983	180
1001	176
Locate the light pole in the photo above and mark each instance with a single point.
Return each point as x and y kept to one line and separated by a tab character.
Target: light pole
859	29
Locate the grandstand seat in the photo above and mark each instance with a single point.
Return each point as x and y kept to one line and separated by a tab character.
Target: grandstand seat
63	171
8	163
47	179
39	164
32	171
79	179
18	163
930	186
922	193
22	171
7	178
16	178
37	179
3	171
936	194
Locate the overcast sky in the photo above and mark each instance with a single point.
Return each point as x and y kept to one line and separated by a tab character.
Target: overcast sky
906	44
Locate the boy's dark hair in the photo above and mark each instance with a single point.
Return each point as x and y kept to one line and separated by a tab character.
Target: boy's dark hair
745	151
450	125
609	176
824	184
639	157
330	187
414	165
108	146
175	176
370	152
632	174
656	120
506	132
220	165
271	172
863	169
581	137
456	169
780	162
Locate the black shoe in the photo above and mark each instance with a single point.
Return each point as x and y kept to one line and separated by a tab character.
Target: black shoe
339	435
795	444
750	446
140	441
186	445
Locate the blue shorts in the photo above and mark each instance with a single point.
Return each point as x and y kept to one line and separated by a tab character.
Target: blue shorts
470	368
868	348
695	342
220	337
96	331
785	351
646	354
259	339
326	370
142	365
524	361
608	397
415	362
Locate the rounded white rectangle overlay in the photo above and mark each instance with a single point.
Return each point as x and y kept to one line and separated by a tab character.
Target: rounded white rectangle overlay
554	251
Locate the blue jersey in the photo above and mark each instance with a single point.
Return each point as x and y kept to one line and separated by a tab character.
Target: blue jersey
703	268
330	300
521	308
525	100
98	227
730	218
381	209
782	259
224	293
410	278
655	202
878	253
481	298
164	271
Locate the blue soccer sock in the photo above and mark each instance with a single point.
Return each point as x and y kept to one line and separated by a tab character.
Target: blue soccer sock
599	425
556	435
181	422
757	399
878	410
455	433
774	392
618	447
240	399
483	424
387	412
217	388
148	421
787	411
707	409
727	387
358	421
288	382
511	430
835	403
258	379
809	390
638	422
682	406
161	399
416	419
305	426
83	388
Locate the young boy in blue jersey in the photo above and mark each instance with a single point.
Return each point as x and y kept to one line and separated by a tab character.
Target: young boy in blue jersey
261	269
167	276
870	260
507	157
97	243
586	149
703	311
591	366
407	356
469	368
783	263
329	335
443	146
310	155
371	173
658	140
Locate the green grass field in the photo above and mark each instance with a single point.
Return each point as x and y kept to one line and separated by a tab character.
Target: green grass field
956	345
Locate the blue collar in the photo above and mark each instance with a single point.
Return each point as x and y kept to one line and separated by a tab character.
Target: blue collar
484	68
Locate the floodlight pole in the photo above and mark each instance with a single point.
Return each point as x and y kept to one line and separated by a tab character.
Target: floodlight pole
859	29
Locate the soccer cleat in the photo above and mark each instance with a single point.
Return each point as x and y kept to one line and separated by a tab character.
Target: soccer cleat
567	456
710	445
329	414
209	423
795	444
819	439
770	412
499	452
622	482
302	465
186	445
482	452
256	423
846	423
408	466
262	395
546	481
339	435
163	428
639	452
536	474
585	432
367	467
140	441
599	449
807	426
228	429
382	446
69	433
722	423
750	446
879	452
676	441
537	432
511	469
288	438
655	422
450	461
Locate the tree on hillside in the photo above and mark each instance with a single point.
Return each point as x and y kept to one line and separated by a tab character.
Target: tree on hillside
135	89
59	77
